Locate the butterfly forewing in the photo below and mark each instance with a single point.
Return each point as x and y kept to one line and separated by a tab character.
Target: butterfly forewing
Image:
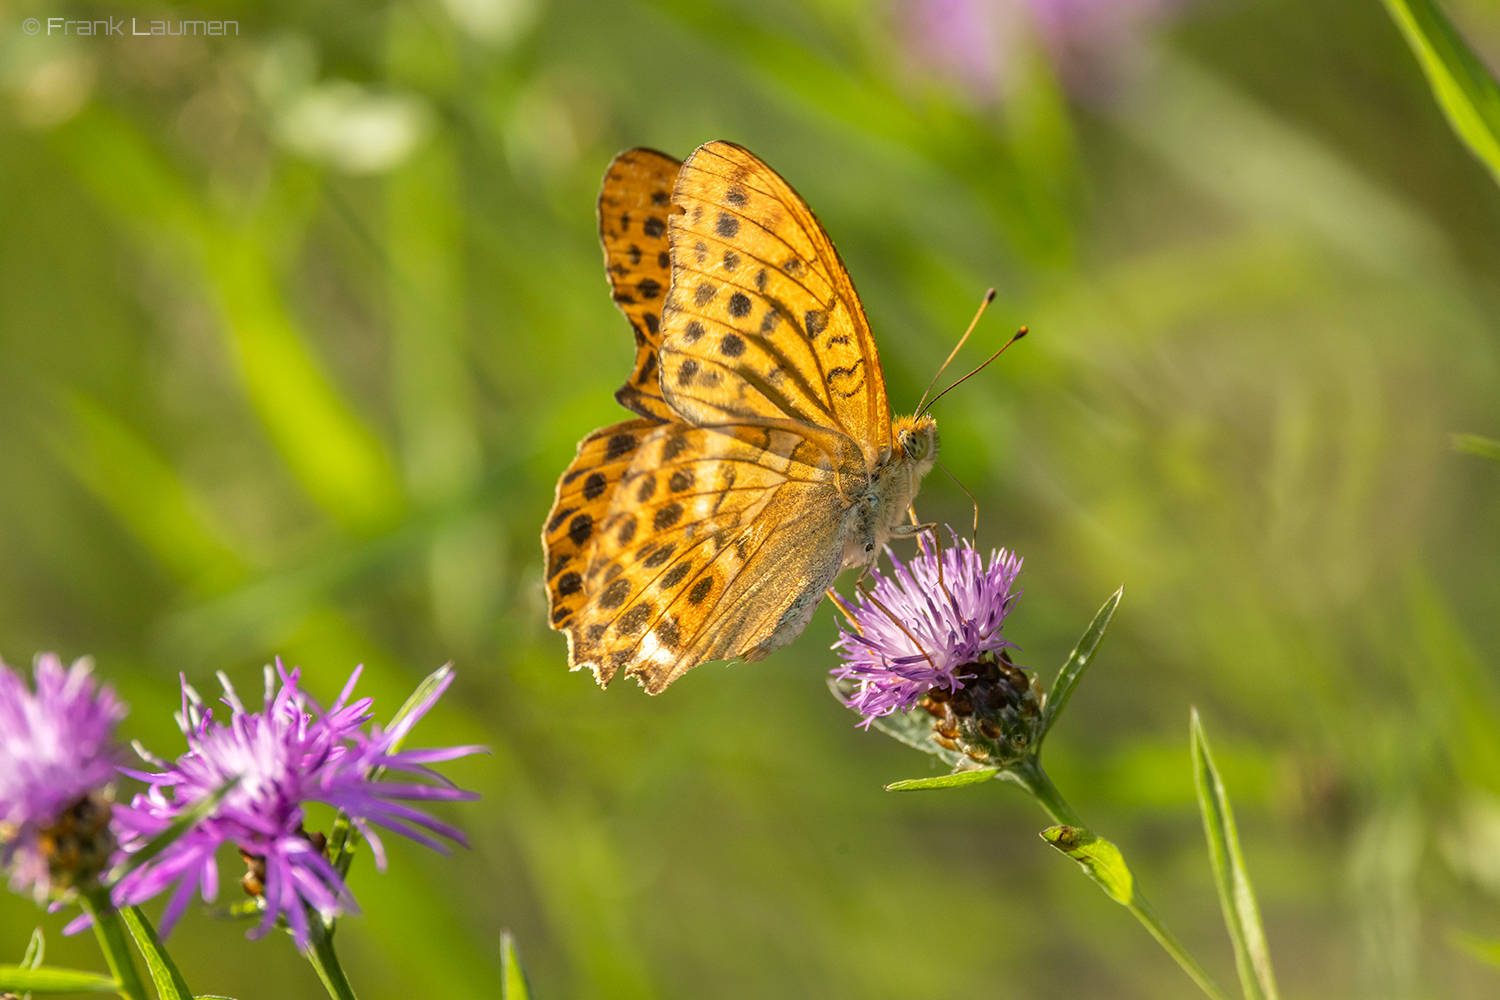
675	576
634	208
763	321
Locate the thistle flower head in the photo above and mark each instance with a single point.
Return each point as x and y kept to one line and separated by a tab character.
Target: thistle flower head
272	762
57	753
924	626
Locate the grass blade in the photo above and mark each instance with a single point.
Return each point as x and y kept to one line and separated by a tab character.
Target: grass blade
1475	445
169	982
20	979
1462	85
955	780
1241	915
513	984
1078	661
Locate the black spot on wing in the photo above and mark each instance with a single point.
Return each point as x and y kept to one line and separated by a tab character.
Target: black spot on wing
667	516
580	528
634	620
620	444
614	595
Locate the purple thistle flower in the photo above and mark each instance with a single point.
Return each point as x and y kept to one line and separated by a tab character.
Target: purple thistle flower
975	43
944	626
57	751
287	754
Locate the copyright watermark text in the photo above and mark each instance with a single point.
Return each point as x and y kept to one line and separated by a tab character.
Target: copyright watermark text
116	26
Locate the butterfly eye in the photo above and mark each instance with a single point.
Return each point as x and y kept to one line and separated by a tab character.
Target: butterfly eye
915	445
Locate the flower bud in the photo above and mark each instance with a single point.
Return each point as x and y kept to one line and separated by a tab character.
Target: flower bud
995	718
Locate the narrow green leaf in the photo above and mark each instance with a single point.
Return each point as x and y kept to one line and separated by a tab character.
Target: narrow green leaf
1462	85
1100	860
169	982
1482	949
955	780
36	949
20	979
1241	916
1078	661
179	826
1476	445
513	984
343	837
422	692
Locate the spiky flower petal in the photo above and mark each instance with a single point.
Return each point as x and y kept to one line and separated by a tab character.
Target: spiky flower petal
273	762
924	626
57	754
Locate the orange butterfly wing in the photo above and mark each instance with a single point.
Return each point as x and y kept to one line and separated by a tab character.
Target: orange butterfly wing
634	208
762	322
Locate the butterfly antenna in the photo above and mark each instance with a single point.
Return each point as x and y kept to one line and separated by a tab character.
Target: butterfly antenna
989	297
1015	337
971	497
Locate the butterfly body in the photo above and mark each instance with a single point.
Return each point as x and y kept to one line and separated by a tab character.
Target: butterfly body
764	460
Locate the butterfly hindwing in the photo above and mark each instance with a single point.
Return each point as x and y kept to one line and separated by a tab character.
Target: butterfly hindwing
634	208
579	509
763	321
713	537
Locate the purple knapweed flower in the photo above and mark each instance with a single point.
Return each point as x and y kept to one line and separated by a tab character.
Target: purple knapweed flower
289	753
976	43
917	631
57	753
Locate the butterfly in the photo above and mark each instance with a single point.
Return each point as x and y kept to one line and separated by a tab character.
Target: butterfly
762	460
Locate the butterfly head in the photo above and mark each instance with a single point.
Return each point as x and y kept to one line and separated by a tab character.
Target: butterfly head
916	441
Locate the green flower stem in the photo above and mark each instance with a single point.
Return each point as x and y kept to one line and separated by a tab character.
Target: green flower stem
111	935
326	961
1029	775
1119	885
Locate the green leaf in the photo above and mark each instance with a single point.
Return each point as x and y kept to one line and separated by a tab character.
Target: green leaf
1476	445
1462	85
179	826
955	780
1078	661
169	982
343	837
422	692
1482	949
513	984
1100	860
1241	915
20	979
36	948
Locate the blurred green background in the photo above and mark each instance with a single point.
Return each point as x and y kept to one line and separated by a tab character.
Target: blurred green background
299	327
